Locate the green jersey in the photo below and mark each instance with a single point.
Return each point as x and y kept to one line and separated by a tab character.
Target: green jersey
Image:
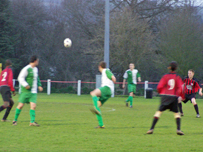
106	79
29	76
131	76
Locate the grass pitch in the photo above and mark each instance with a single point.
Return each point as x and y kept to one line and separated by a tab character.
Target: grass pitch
68	125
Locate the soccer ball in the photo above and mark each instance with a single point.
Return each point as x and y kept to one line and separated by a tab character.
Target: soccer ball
67	42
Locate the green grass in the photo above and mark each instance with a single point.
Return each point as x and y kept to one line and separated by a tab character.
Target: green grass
68	125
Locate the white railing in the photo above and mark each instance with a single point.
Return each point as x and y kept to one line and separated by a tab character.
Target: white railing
79	82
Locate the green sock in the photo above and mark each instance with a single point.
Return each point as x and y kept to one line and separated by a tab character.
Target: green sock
95	100
100	120
99	117
17	114
131	100
128	99
32	115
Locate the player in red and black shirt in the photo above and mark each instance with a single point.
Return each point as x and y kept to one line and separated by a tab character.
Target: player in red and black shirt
6	86
191	87
170	88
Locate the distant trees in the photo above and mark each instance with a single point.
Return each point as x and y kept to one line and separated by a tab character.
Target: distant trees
181	39
148	33
7	39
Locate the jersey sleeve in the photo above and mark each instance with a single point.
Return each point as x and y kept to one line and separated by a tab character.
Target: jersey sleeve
109	74
21	77
10	80
138	75
125	76
197	87
39	82
161	84
179	86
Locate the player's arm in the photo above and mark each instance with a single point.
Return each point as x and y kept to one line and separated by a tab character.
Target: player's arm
125	76
161	84
110	76
39	84
138	77
198	87
21	78
10	81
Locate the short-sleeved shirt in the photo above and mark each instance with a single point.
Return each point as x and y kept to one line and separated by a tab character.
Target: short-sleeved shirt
131	76
106	79
170	84
191	86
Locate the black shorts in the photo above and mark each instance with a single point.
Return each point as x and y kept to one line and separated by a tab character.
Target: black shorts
169	102
188	97
5	93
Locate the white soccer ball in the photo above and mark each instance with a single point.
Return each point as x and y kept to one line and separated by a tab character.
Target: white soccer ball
67	42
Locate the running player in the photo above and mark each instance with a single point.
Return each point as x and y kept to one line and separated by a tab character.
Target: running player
104	92
6	86
169	87
191	87
132	75
29	82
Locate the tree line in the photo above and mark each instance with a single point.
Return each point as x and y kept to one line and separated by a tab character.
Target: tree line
148	33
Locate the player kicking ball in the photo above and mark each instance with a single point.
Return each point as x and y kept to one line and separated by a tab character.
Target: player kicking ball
104	92
191	87
29	82
131	75
170	88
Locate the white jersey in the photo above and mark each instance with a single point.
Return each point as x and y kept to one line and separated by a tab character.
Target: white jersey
131	76
29	76
106	81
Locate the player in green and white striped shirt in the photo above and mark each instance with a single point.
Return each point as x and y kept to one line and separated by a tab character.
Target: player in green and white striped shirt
104	92
29	83
131	75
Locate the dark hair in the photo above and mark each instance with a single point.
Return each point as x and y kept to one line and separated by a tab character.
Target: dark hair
173	65
33	58
192	70
102	64
8	63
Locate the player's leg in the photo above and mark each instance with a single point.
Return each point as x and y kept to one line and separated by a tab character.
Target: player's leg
95	94
131	99
4	106
155	120
193	100
99	117
33	104
8	109
22	100
180	106
5	92
177	117
131	89
33	114
17	113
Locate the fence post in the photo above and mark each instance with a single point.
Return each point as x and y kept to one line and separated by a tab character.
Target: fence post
79	88
48	86
145	87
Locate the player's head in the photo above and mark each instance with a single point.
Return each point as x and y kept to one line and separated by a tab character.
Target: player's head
173	66
8	63
191	73
34	60
102	65
131	66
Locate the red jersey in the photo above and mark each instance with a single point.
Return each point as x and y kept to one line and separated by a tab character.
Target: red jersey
6	78
191	86
170	84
